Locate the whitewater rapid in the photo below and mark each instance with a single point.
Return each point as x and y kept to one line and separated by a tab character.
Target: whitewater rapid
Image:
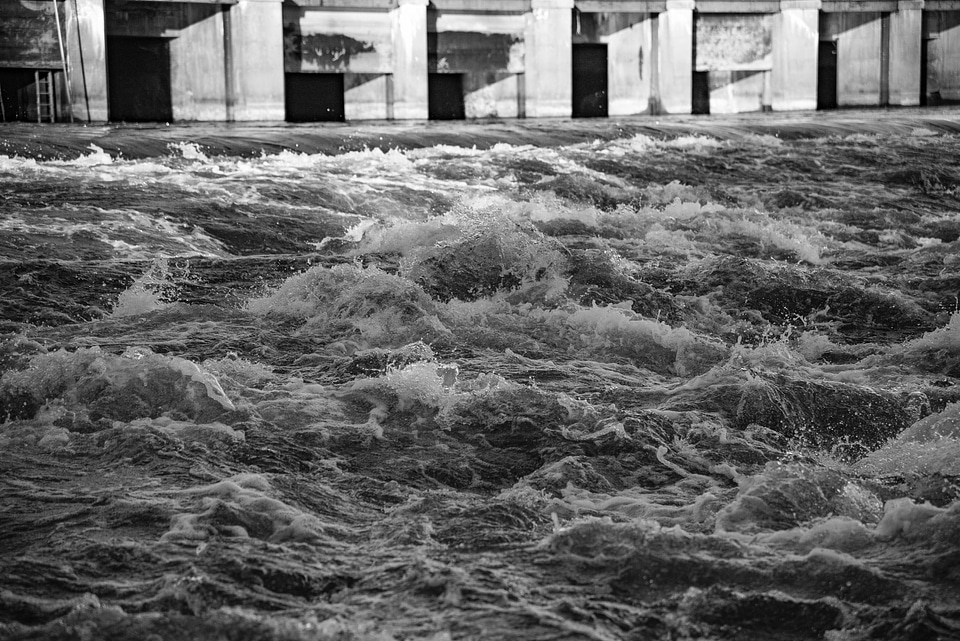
690	379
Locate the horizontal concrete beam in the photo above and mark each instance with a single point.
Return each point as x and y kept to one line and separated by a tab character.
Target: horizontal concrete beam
738	6
621	6
483	6
120	3
347	4
857	6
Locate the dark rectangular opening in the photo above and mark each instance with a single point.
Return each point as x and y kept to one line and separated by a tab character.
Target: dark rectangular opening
590	97
445	96
138	77
827	75
701	92
18	95
314	97
924	71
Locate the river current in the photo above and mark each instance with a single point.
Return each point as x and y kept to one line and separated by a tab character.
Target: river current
639	379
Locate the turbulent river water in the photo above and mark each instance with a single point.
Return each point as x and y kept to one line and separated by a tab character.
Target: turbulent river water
638	379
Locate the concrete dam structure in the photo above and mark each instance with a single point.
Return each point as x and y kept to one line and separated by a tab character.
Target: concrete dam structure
320	60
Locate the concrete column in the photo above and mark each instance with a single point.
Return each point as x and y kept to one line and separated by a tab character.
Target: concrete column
254	59
548	68
796	34
905	33
859	59
86	45
409	25
628	69
675	53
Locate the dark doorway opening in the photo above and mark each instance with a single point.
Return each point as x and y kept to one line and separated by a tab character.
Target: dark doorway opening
701	92
138	76
445	96
924	71
827	75
314	97
26	95
590	96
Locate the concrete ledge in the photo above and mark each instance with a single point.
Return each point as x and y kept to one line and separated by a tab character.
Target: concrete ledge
788	5
621	6
942	5
551	4
847	6
483	6
738	6
347	4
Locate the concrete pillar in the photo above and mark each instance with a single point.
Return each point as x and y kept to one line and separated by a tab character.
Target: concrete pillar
628	69
905	33
944	60
198	73
409	25
254	60
796	35
548	72
86	45
859	59
675	53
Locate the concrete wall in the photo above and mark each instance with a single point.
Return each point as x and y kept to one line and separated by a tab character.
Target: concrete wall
358	44
28	35
736	52
630	58
794	58
941	31
227	61
675	57
197	65
87	59
859	50
549	56
195	34
488	49
254	60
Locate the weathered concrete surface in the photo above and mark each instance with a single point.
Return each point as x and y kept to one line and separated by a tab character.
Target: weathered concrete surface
489	50
198	66
409	23
905	52
549	84
675	42
256	61
859	49
87	59
28	35
629	57
795	38
942	29
737	53
736	91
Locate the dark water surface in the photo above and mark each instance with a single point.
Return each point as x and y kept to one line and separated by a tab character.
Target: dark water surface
620	379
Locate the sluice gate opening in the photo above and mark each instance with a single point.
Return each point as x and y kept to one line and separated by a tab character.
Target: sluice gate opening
590	78
138	76
445	97
30	95
314	97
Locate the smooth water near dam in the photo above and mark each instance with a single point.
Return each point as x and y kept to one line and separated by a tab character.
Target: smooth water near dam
687	378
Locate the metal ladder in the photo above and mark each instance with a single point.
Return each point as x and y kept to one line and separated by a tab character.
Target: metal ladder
44	84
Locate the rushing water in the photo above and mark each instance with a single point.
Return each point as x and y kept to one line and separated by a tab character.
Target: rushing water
533	380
